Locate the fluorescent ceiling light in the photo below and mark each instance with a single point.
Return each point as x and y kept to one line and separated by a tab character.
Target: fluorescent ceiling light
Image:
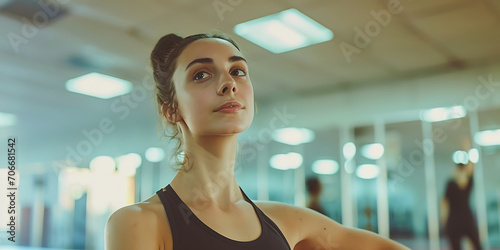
442	114
367	171
474	155
325	167
488	137
372	151
99	85
460	157
286	161
103	165
7	120
293	136
127	164
155	154
349	150
284	31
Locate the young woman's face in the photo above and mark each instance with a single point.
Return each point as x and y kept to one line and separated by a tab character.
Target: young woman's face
209	73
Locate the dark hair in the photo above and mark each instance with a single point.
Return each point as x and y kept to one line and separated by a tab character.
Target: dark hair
164	61
313	185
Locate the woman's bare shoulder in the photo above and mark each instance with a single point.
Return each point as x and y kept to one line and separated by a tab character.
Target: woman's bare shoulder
275	210
308	229
140	211
135	226
271	206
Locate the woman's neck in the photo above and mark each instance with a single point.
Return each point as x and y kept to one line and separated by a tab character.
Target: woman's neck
210	181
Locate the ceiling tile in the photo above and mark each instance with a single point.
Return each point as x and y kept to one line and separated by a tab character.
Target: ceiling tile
427	7
482	44
404	51
456	21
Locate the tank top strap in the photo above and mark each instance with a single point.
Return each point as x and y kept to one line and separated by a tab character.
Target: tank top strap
265	219
257	210
165	196
246	197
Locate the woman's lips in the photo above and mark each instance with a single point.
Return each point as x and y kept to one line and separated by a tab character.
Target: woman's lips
234	109
233	106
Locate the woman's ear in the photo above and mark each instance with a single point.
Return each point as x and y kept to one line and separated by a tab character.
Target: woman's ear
169	113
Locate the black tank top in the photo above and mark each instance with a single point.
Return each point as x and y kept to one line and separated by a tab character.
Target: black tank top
460	214
190	233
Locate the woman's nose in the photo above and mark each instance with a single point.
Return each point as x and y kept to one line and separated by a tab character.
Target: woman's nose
228	84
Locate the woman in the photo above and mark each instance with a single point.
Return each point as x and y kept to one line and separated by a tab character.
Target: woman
456	213
204	92
314	188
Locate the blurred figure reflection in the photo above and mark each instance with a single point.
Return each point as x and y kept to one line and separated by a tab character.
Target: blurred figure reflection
456	213
314	189
368	214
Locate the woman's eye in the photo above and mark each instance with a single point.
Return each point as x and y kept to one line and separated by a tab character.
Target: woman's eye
201	75
238	72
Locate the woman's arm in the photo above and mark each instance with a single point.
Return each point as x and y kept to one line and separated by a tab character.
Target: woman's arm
445	210
316	231
130	228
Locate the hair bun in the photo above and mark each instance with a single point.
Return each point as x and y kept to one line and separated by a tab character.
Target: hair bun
163	47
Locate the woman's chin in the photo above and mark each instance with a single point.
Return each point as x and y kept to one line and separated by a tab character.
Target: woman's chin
230	130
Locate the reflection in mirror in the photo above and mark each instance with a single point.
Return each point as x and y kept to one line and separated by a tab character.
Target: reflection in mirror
365	178
322	157
490	162
407	197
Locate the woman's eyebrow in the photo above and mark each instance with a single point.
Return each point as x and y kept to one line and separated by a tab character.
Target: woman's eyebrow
210	60
236	58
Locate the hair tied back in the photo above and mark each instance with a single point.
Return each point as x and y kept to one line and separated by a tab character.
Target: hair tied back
164	46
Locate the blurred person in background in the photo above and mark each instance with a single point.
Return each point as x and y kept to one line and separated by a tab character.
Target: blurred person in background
314	188
456	214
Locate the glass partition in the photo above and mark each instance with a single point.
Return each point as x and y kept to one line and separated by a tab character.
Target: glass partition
490	162
322	161
364	184
405	170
